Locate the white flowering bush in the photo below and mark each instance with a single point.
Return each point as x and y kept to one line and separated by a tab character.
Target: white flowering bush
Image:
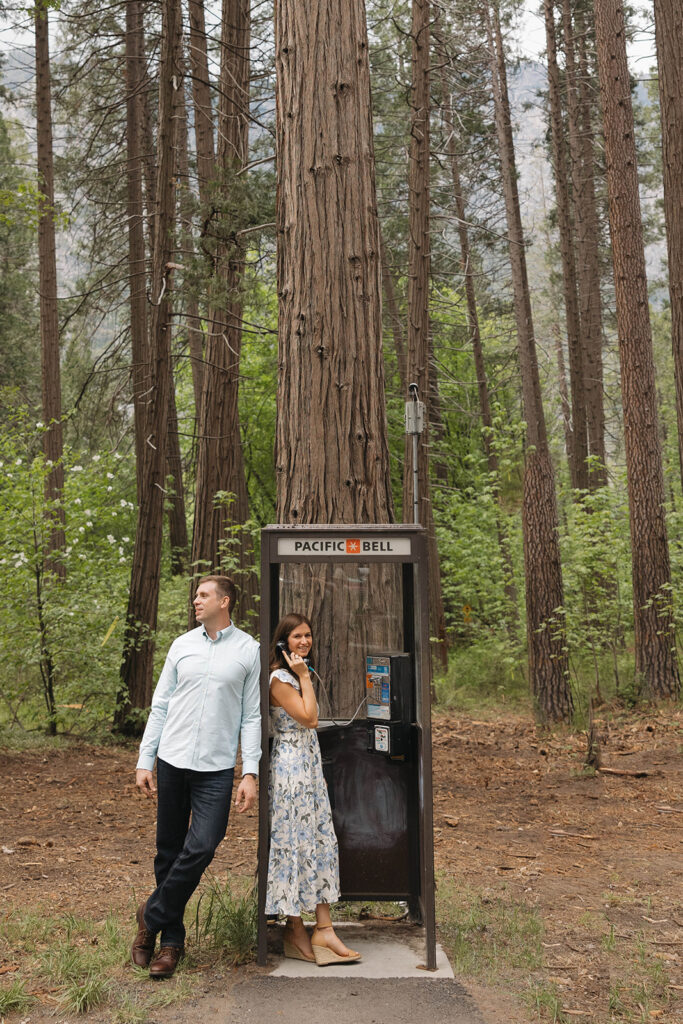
61	639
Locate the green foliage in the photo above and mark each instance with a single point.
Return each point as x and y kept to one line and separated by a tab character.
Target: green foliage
486	672
596	558
19	360
76	621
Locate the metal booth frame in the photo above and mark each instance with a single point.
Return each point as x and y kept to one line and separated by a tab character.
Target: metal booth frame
416	641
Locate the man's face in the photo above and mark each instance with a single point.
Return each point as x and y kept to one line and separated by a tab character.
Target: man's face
209	604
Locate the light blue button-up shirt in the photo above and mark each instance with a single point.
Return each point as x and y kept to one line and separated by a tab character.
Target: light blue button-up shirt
207	699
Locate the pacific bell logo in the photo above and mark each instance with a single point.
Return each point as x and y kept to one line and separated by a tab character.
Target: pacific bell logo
353	547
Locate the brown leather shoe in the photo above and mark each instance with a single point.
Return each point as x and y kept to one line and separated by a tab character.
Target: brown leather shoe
165	962
142	950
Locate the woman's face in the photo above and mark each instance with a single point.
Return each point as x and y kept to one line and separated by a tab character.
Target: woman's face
300	640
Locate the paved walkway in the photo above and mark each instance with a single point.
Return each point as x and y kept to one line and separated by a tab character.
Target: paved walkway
328	1000
387	987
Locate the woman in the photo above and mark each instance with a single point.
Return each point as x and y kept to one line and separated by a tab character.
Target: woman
303	868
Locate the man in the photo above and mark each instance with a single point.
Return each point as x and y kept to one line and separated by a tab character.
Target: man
207	699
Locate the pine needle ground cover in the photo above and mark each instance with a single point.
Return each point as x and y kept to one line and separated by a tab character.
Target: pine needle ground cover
558	888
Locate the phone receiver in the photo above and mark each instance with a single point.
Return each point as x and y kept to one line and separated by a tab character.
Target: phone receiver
281	646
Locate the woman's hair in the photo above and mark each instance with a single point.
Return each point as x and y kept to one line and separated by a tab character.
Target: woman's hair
284	627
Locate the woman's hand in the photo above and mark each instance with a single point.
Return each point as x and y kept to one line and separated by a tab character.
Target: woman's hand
296	663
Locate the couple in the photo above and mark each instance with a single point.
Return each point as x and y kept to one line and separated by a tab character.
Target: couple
207	699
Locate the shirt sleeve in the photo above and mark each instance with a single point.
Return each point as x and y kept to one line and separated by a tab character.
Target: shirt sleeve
168	680
250	734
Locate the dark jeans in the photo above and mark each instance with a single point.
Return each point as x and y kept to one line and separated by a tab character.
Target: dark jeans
183	853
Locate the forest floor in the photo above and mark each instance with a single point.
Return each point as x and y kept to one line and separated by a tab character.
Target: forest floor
560	893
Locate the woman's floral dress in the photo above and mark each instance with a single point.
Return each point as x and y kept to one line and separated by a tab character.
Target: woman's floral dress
303	868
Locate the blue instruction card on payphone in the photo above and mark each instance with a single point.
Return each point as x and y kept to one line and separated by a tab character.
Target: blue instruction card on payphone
378	682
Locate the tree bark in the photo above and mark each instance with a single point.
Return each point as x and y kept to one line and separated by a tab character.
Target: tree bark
137	270
219	541
587	236
655	648
669	36
332	457
579	434
177	519
548	663
193	322
49	321
394	315
201	94
141	615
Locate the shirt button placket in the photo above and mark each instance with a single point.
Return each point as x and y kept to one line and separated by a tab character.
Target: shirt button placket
200	716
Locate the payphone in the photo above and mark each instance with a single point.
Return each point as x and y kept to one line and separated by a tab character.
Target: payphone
365	589
390	703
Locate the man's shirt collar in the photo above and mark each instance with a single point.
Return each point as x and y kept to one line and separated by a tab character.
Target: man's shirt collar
226	631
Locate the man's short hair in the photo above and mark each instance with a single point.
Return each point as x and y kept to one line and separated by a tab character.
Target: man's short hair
224	586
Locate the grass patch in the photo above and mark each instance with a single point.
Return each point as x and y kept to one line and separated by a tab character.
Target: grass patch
486	936
84	993
86	964
544	999
227	920
14	997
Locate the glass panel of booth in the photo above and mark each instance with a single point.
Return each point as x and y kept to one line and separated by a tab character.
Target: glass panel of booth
356	612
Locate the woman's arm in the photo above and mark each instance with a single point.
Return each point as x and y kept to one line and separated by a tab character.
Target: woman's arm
301	706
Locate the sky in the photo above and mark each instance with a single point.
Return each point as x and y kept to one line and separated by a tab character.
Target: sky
530	37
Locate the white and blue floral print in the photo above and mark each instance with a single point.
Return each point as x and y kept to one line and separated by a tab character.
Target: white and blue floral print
303	867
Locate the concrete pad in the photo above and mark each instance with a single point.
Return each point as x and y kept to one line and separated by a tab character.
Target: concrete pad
397	952
331	999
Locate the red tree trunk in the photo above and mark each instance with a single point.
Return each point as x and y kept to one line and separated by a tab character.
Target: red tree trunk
548	663
141	616
656	666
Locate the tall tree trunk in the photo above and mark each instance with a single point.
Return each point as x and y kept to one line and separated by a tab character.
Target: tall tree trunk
397	331
201	94
220	463
177	518
565	404
419	361
49	322
669	35
475	339
587	235
579	437
656	664
193	322
332	457
548	663
149	155
141	615
137	271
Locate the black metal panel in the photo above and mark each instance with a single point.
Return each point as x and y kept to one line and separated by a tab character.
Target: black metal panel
374	800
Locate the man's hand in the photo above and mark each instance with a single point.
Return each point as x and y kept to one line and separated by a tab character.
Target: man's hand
144	780
246	794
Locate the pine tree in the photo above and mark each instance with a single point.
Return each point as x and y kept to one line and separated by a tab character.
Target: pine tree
656	666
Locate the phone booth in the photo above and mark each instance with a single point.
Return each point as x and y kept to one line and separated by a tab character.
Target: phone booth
364	589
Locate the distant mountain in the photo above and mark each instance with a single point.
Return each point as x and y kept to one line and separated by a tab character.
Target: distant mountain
17	68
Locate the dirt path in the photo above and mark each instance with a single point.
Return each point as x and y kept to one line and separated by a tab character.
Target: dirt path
598	858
